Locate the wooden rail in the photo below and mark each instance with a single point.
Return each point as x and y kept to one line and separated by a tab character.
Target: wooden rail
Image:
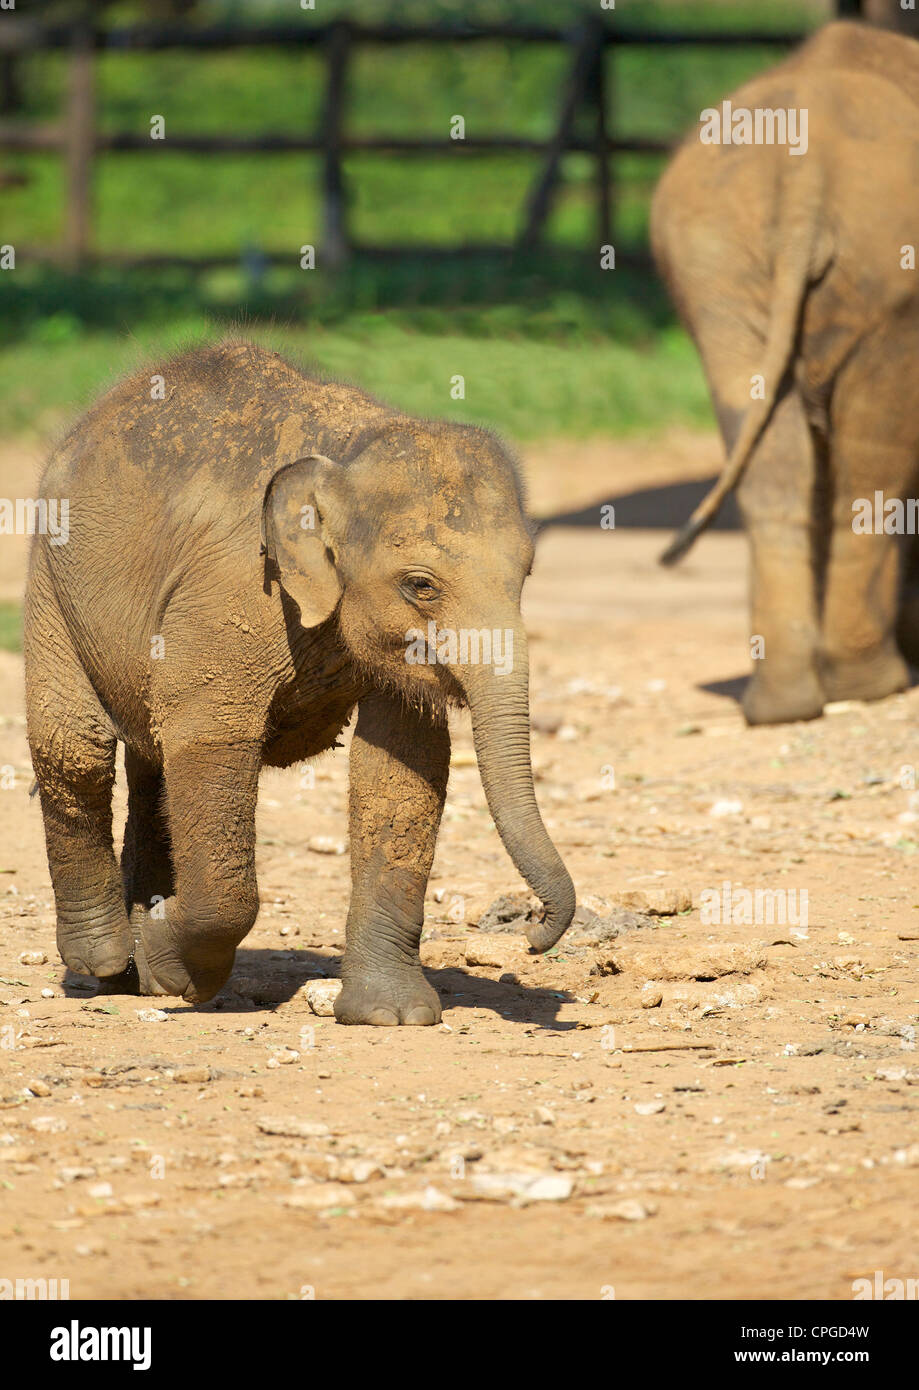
586	91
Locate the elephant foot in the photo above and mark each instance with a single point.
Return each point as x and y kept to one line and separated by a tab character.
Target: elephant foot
787	703
95	948
195	971
867	678
386	1000
137	978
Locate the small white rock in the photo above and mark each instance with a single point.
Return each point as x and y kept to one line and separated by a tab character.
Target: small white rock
321	996
629	1209
357	1170
74	1174
738	1160
429	1199
554	1187
522	1187
321	1196
48	1124
292	1127
326	844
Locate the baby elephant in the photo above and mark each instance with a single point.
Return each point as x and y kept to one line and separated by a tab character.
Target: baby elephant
252	553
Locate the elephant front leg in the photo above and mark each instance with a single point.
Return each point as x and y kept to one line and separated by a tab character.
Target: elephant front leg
187	943
399	767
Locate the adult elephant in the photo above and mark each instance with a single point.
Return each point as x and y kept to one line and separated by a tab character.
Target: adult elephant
252	553
794	269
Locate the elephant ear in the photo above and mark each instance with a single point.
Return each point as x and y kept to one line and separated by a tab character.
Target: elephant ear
296	539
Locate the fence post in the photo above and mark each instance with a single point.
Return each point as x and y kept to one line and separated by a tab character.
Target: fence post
601	105
889	14
540	200
80	143
10	87
335	246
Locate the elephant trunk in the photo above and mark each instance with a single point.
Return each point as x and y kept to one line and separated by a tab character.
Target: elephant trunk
499	705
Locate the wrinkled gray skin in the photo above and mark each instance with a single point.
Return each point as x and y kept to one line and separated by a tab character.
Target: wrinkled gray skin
790	268
245	559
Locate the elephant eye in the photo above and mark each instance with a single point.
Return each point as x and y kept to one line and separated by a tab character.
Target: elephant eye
420	586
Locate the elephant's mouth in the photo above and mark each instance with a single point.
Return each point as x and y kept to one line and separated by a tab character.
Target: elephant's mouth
433	690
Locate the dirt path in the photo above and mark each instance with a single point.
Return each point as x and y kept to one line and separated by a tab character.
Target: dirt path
528	1147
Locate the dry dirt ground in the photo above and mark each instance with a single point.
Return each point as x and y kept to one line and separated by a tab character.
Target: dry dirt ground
689	1109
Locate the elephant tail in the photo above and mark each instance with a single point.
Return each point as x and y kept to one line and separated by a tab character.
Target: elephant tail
792	273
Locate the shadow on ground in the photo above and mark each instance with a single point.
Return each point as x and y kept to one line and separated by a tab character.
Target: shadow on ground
731	689
734	687
657	508
264	979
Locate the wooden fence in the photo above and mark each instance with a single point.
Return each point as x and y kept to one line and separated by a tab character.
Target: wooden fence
586	94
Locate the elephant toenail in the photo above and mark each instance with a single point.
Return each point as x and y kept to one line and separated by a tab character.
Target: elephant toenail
420	1015
383	1018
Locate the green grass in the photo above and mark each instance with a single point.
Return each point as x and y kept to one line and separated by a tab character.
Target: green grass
547	346
526	389
10	627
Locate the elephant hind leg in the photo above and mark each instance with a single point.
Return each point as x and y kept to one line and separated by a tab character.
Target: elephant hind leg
874	458
73	755
859	656
873	465
778	501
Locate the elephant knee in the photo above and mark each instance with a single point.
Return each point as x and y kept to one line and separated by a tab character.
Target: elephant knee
227	914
